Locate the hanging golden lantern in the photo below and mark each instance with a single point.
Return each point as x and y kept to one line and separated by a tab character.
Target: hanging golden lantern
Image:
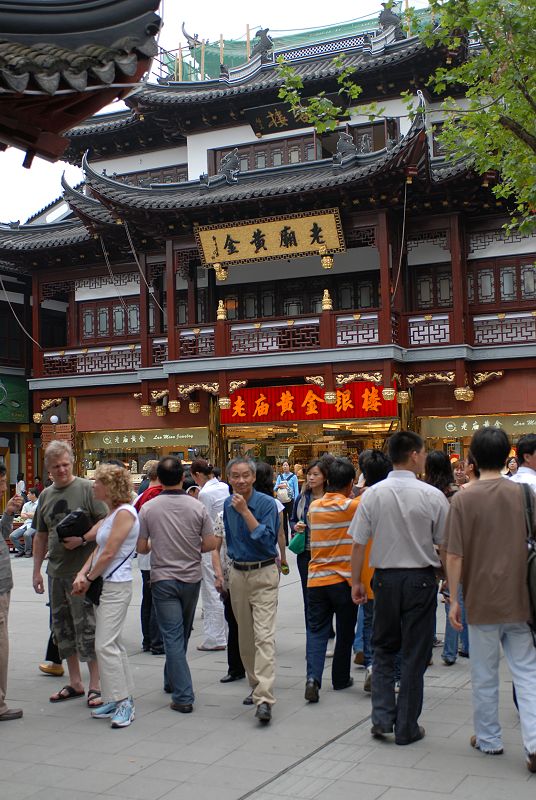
37	418
161	411
327	261
222	272
194	407
224	403
388	393
330	398
174	406
146	410
403	397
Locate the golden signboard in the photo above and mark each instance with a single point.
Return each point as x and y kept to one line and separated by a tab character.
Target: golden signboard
287	236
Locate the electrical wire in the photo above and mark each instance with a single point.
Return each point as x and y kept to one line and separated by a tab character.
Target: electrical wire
112	276
19	323
153	298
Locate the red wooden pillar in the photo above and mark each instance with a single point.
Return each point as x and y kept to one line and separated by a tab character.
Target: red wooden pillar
459	281
170	302
146	341
36	327
73	334
382	243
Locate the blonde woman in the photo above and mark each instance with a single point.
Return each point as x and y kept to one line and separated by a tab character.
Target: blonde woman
117	535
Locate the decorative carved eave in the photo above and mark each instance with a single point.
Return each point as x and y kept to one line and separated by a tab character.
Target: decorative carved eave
422	378
63	63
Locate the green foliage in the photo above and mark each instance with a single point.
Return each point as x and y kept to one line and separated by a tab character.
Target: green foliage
494	126
489	90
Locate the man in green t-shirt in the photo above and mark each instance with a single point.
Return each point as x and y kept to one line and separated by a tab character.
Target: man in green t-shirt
73	620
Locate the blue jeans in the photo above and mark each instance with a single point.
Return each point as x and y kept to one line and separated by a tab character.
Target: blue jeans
452	637
359	645
323	602
175	602
520	654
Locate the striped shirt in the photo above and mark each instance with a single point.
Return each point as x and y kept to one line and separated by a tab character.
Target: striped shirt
331	546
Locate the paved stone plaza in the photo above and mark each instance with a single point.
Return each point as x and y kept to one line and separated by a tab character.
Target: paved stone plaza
56	752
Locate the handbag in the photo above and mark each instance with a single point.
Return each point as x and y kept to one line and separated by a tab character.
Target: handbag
76	523
297	543
96	586
531	557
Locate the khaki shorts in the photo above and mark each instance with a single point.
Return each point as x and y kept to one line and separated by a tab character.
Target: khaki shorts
72	620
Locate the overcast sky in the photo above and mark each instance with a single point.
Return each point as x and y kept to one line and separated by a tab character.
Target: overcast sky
27	191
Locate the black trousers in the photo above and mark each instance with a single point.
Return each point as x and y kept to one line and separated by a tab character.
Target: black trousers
323	603
405	602
152	638
234	662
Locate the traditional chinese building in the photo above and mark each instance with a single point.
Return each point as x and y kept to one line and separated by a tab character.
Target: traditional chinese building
229	281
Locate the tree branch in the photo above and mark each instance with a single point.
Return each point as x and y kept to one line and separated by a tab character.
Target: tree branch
519	132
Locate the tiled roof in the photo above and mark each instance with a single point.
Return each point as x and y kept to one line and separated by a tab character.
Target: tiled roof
86	207
106	123
292	179
267	77
35	237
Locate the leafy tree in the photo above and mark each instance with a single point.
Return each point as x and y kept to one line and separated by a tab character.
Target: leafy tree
488	81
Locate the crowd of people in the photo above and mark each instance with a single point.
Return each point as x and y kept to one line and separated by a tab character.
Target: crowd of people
376	547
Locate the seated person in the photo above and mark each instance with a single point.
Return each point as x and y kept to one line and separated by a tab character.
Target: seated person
26	530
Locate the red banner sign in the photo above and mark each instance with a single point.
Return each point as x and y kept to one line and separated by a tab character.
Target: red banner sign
30	466
306	403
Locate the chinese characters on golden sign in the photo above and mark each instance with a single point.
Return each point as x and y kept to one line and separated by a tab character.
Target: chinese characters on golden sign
287	236
298	403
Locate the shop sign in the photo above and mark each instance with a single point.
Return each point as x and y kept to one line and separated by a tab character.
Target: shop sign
306	403
459	427
287	236
13	399
29	471
62	432
134	440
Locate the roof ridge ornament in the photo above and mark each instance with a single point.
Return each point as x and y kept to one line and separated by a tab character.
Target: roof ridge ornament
388	19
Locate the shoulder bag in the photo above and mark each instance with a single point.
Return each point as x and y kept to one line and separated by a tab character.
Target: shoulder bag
96	586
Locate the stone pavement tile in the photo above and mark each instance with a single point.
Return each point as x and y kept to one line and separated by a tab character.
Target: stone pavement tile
142	788
339	790
444	779
20	791
272	742
121	764
150	749
318	767
10	767
177	771
476	788
198	753
242	778
93	779
337	751
265	762
187	791
385	753
395	793
47	774
301	786
84	793
475	763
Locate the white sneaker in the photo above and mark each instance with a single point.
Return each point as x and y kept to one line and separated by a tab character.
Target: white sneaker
330	652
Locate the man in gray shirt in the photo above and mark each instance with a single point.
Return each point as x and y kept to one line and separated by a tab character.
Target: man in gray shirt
6	584
406	517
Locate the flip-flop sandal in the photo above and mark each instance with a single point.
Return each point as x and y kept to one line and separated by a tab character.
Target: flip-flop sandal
92	696
66	693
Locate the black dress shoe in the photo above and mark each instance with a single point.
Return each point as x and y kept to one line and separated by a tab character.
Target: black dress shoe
167	688
416	738
264	712
229	678
311	690
248	701
11	713
183	708
378	732
344	686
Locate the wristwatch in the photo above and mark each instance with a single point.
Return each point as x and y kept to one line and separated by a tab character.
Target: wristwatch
87	576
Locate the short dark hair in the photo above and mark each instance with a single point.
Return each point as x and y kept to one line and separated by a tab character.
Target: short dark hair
341	472
170	471
402	444
376	467
216	471
264	478
490	448
202	466
34	490
471	462
363	455
3	470
526	444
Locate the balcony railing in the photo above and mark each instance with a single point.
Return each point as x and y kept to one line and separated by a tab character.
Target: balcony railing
505	328
277	336
355	330
429	329
159	347
92	360
196	342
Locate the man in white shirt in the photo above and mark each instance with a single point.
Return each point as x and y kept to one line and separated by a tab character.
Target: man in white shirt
213	494
406	518
526	458
27	531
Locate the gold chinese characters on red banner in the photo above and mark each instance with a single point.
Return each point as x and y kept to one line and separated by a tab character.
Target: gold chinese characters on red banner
299	403
289	236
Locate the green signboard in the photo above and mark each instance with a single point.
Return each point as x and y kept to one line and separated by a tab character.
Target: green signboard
460	427
140	439
13	399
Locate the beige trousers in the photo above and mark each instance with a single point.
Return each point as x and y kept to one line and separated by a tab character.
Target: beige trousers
4	649
254	601
115	675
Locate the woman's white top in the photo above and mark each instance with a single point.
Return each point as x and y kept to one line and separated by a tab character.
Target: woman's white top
124	573
213	495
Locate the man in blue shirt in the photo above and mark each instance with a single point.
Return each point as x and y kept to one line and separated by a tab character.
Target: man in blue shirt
251	524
